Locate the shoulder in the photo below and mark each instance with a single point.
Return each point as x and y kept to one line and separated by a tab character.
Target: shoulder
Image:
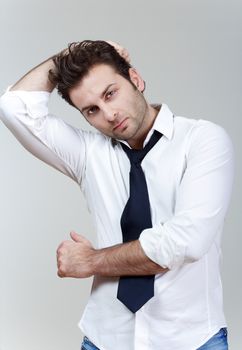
201	129
202	138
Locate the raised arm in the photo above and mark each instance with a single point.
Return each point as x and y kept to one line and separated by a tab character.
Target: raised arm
24	110
37	79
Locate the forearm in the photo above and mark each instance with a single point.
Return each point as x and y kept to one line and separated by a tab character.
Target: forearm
124	259
36	79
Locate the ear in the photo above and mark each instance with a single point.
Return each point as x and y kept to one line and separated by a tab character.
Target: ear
136	79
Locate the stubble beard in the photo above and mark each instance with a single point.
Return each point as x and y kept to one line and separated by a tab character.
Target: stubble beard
139	120
136	122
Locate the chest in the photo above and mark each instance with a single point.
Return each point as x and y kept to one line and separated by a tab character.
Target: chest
107	176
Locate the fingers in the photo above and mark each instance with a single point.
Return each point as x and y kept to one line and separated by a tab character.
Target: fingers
59	258
121	50
62	256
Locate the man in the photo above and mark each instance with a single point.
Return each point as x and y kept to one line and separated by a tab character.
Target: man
184	181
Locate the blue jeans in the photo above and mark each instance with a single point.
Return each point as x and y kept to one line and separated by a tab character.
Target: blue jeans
217	342
88	345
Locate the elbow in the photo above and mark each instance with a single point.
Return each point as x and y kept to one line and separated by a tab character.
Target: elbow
197	250
180	256
193	255
5	108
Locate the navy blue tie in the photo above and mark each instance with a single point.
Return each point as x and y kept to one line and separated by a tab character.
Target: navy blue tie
135	291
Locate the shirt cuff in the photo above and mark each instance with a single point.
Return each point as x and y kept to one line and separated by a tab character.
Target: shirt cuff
36	102
160	248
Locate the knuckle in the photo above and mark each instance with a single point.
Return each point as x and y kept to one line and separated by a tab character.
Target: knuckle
61	272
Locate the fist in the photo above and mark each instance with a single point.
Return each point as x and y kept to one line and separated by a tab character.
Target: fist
75	258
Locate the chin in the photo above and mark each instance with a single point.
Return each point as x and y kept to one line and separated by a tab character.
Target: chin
123	137
126	134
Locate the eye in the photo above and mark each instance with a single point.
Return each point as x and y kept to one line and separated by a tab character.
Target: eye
110	94
92	110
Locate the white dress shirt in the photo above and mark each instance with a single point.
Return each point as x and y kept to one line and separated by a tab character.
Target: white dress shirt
189	175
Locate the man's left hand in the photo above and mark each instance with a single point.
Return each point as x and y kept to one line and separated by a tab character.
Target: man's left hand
75	257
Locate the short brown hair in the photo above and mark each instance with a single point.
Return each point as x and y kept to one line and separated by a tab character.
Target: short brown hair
72	64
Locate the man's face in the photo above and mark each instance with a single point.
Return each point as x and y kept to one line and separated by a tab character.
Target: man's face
110	103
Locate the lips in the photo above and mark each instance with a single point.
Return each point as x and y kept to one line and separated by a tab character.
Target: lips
120	124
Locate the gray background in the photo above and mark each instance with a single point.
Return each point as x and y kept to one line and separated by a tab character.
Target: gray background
189	53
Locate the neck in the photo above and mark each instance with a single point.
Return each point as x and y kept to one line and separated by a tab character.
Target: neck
148	122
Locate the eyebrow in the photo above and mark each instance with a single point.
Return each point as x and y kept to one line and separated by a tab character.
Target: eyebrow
102	95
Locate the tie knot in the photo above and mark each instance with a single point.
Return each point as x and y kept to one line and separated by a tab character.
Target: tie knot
137	155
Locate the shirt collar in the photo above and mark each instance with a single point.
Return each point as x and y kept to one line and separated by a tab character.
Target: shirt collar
164	121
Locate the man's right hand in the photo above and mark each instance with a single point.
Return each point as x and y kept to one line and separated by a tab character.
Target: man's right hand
121	50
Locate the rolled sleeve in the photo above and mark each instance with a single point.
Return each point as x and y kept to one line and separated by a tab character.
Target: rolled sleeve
201	202
34	104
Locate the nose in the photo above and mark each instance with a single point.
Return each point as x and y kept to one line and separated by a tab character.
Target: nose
109	113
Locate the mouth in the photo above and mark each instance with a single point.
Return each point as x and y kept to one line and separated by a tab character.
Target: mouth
121	124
